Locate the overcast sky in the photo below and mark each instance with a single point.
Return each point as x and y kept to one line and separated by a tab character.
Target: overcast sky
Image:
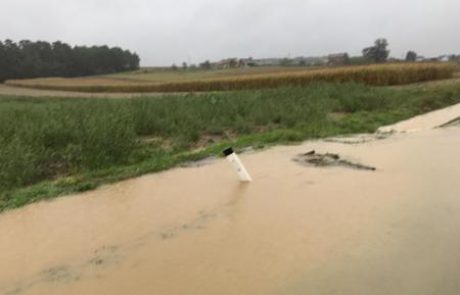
163	32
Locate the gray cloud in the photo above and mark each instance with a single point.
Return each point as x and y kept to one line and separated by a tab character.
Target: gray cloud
167	31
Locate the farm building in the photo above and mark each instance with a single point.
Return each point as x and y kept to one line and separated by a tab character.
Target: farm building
337	59
267	62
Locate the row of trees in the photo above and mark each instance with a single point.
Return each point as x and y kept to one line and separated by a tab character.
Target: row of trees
377	53
27	59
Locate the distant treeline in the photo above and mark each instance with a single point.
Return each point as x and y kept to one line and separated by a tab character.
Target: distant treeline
28	59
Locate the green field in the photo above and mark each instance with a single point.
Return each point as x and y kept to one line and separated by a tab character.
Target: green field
54	146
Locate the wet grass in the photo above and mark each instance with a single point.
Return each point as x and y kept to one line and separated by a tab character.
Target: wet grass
54	146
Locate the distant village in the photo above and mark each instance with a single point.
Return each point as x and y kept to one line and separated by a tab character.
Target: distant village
376	53
337	59
333	59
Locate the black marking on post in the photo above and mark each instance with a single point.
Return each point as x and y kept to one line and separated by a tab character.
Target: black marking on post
228	152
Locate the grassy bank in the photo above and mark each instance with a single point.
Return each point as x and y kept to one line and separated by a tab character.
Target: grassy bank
384	74
52	146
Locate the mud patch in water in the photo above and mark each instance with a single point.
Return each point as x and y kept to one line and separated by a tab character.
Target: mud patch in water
197	223
359	139
455	122
199	163
312	158
64	274
107	256
59	273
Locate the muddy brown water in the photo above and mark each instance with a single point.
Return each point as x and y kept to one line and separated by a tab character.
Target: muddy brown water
294	230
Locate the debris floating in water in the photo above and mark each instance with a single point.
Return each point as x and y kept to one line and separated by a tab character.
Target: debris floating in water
312	158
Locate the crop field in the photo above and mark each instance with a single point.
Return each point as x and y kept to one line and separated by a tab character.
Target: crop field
52	146
167	75
240	79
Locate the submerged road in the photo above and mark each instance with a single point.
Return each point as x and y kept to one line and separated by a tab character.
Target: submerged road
294	230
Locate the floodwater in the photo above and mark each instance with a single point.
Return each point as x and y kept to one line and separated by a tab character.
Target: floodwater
295	229
426	121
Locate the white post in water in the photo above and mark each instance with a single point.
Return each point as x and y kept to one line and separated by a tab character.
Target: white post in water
237	165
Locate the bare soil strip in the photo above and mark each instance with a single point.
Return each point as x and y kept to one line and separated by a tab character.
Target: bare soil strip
20	91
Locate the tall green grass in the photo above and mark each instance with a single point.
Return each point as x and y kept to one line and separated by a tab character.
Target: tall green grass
50	138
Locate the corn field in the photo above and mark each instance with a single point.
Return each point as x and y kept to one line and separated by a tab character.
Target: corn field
377	75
